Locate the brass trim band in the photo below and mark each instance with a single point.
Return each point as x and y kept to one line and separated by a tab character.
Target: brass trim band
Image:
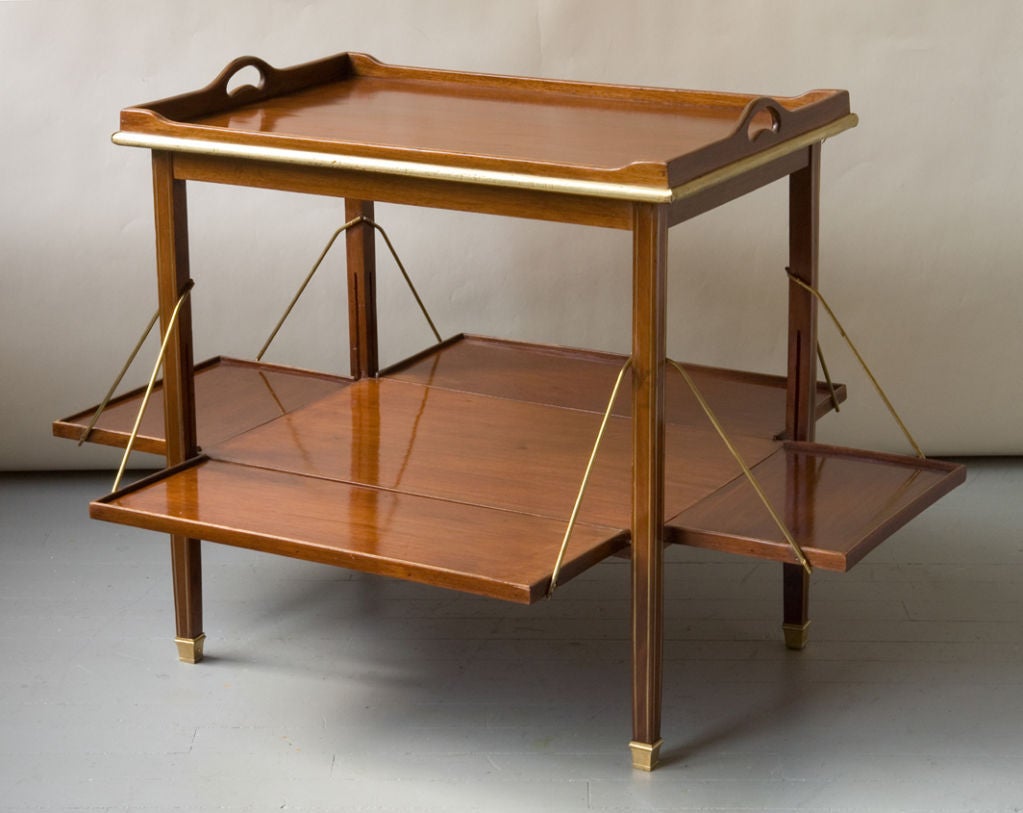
508	180
744	165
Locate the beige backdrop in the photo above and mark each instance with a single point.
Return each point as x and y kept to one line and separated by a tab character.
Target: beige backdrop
921	235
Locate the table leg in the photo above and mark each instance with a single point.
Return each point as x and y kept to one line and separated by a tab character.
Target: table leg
171	219
648	354
360	241
796	605
186	563
800	414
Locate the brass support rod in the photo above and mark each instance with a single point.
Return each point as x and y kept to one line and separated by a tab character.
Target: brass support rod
319	260
117	381
152	381
859	358
302	287
586	478
745	469
408	279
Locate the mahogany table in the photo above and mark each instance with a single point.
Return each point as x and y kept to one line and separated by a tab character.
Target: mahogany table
459	467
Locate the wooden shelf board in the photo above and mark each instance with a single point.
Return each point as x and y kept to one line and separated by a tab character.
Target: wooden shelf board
480	550
838	503
456	489
492	452
231	396
747	403
460	468
234	395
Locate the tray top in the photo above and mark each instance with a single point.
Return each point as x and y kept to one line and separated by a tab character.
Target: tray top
351	111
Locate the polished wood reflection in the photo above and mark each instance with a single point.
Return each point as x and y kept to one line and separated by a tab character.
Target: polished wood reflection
231	396
459	468
487	426
478	450
747	403
494	553
840	504
354	105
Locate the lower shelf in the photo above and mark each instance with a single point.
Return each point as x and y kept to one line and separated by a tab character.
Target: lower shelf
747	403
465	481
838	504
501	554
231	396
439	486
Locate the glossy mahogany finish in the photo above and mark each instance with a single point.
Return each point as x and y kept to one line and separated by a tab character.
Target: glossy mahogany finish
468	461
747	403
839	503
428	431
231	396
476	450
173	281
649	464
235	395
351	104
496	553
434	476
393	188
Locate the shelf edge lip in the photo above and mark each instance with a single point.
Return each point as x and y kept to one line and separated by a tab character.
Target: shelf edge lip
510	180
759	159
384	166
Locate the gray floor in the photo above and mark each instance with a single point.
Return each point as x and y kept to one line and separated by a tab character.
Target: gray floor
326	690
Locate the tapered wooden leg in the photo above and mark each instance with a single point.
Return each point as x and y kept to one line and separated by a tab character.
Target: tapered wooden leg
186	564
171	220
800	414
648	351
796	605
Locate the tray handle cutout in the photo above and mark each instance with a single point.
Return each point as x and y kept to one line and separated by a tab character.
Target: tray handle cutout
246	79
762	118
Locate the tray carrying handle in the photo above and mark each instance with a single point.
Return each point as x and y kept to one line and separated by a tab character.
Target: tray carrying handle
243	94
762	118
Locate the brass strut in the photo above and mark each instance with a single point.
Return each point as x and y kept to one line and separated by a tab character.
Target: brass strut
586	478
745	469
117	381
152	381
319	260
877	386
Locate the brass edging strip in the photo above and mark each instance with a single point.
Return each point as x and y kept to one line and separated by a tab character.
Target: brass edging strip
744	165
508	180
408	169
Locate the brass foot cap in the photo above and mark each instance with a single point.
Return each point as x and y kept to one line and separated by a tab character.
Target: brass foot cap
796	635
645	756
190	649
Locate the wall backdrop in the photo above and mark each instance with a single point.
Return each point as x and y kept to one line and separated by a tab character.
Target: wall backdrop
921	209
